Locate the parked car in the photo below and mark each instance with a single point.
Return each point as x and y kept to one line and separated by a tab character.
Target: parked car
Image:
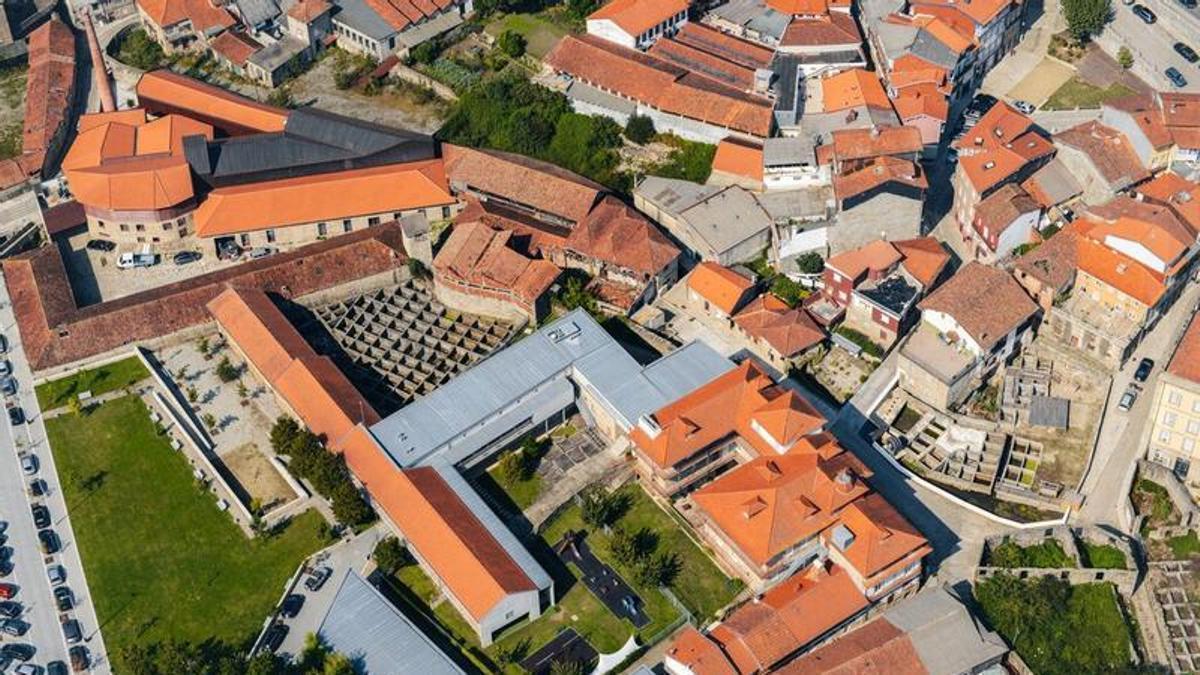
16	415
1175	77
8	591
8	386
1189	4
6	568
10	609
80	659
57	575
27	669
317	578
185	257
131	260
101	245
18	651
1025	107
49	541
291	605
274	637
3	345
64	599
1186	52
38	488
229	251
56	668
41	516
29	464
1143	12
261	252
1127	399
5	367
71	631
14	627
6	552
1143	370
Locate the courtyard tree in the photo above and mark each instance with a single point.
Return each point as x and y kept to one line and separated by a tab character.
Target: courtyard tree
810	263
226	371
658	570
390	555
599	507
639	129
1086	18
576	295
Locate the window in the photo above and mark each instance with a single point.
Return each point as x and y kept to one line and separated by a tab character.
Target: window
397	215
140	227
155	239
1182	466
270	236
183	231
1196	406
1189	444
1169	419
124	227
245	239
1193	427
445	211
100	223
181	222
1164	436
372	221
1175	398
322	229
141	240
347	226
167	226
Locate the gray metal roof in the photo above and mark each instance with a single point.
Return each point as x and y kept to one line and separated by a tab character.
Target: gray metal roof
1049	411
359	16
257	12
754	15
947	637
723	217
805	204
278	53
788	151
365	627
454	418
417	33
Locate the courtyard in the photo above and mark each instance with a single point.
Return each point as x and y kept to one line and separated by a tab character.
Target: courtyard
163	563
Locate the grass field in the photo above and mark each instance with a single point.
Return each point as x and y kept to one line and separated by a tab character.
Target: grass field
162	561
1103	557
111	377
540	32
1078	93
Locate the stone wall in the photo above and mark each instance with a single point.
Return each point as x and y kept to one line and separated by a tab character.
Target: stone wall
1181	497
1070	539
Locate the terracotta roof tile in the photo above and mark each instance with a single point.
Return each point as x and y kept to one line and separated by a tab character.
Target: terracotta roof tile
1120	272
1054	262
789	331
1167	240
883	539
204	15
1177	193
49	86
323	197
726	46
852	144
1147	115
878	648
877	256
876	173
738	158
986	301
830	30
260	330
617	234
308	10
162	91
1180	110
924	259
700	655
529	182
480	256
1185	362
704	63
720	286
655	82
638	16
1002	208
980	11
235	46
1109	151
853	88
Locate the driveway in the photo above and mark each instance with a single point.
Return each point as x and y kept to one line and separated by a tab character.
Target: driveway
29	571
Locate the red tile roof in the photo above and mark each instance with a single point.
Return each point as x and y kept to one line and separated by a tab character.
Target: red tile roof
726	46
789	331
853	88
984	300
204	14
387	190
878	256
1148	116
852	144
703	63
878	172
720	286
1120	272
1185	362
1054	262
878	648
981	12
162	91
835	29
308	10
621	236
884	541
1109	151
1177	193
49	85
638	16
924	258
235	46
655	82
699	654
477	255
1002	143
739	158
771	504
999	210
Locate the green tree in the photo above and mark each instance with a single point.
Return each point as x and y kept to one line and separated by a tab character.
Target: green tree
337	664
283	432
140	51
810	263
418	270
226	371
579	9
426	52
575	294
566	667
599	507
1086	18
1125	58
659	570
281	97
639	129
203	347
512	44
623	546
390	555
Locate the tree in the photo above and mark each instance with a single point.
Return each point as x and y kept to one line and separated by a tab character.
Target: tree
810	263
337	664
567	668
599	507
576	294
659	570
1086	18
281	97
139	51
1125	58
418	270
226	371
512	44
639	129
623	546
204	348
390	555
426	52
581	8
283	432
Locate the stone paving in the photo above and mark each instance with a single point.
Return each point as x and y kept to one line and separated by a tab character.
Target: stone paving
1174	596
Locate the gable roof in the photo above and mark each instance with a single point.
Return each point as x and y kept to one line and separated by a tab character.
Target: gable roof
1053	262
1003	207
851	144
700	655
1185	362
172	92
651	80
984	300
1177	193
924	259
738	158
719	285
1000	145
1109	151
877	256
851	88
835	29
638	16
876	173
204	15
478	255
1147	115
520	179
616	233
1120	272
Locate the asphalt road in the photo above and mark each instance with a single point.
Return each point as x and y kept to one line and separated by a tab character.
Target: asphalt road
30	566
1152	44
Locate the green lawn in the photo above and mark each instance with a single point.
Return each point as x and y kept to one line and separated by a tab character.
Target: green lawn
111	377
540	31
162	561
1079	93
1186	546
1102	556
1047	554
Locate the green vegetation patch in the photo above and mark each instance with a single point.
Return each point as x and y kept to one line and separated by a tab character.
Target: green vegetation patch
136	48
541	31
1058	628
11	140
101	380
1047	554
784	288
163	563
1185	546
1102	556
1079	93
12	85
688	160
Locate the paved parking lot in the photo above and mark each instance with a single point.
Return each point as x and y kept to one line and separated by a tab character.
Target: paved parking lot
29	572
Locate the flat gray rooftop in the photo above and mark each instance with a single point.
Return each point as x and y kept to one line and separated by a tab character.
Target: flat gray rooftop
574	347
370	631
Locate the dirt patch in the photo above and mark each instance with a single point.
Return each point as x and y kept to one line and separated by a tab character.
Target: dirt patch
12	109
1042	81
258	476
841	374
390	108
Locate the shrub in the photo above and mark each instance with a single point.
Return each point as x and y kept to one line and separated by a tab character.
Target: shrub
140	51
390	555
512	44
426	52
864	343
639	129
226	371
1125	58
810	263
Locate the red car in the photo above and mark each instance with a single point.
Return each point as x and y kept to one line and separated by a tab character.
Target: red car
8	591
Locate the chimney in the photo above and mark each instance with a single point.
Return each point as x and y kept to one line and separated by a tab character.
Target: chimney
99	66
874	131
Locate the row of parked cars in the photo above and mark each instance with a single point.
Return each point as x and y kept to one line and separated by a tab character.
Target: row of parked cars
1148	16
291	606
11	609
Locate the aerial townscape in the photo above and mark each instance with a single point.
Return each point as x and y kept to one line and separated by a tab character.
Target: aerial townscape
587	337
